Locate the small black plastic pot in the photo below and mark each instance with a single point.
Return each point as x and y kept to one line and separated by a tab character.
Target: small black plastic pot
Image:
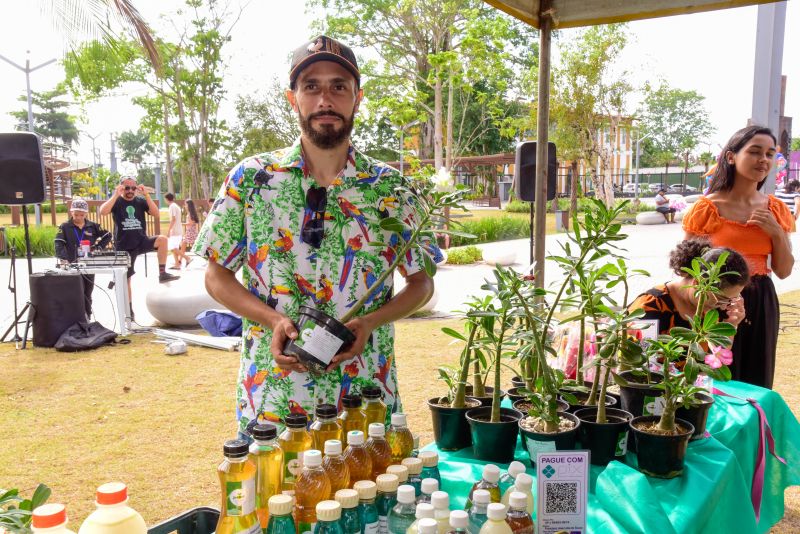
658	455
581	397
697	415
517	382
516	394
450	427
314	347
637	397
493	442
487	399
523	405
534	442
607	441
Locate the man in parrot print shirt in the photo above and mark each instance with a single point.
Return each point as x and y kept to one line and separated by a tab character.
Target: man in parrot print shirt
298	222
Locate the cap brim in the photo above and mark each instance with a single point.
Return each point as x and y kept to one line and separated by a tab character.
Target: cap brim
324	56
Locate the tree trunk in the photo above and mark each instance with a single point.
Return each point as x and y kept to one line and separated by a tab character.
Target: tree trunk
438	160
573	189
167	147
449	151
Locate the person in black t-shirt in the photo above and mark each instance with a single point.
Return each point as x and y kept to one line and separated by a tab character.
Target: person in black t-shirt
128	206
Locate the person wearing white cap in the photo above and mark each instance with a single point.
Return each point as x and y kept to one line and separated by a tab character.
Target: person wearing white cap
71	234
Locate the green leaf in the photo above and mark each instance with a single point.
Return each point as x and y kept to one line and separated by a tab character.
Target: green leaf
452	333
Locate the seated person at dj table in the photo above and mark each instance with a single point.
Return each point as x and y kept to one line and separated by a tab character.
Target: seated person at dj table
68	242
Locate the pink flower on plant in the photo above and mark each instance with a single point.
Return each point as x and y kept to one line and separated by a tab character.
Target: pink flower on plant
719	356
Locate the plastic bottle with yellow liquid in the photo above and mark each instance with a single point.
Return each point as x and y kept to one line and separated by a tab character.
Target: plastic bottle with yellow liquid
294	440
114	516
496	520
325	426
352	416
374	408
335	466
523	483
359	461
237	476
50	519
441	506
400	438
268	457
488	482
312	487
379	450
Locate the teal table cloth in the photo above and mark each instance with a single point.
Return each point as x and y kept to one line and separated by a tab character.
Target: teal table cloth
713	495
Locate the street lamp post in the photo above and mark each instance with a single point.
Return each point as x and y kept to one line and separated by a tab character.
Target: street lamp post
636	187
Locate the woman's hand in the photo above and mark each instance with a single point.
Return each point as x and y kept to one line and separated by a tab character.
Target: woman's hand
764	219
735	311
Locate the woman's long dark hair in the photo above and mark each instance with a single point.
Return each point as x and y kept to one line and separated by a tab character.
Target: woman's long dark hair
725	173
192	211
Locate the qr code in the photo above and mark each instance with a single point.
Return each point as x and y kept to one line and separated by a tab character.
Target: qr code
561	497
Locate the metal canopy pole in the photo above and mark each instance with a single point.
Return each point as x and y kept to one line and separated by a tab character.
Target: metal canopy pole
543	120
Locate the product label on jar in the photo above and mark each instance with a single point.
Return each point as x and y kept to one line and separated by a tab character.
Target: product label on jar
241	497
372	528
383	524
653	405
292	466
318	342
622	444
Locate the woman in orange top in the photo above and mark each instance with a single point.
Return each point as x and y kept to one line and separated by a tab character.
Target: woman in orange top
737	215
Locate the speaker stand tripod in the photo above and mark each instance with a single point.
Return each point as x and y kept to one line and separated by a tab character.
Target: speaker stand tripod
12	286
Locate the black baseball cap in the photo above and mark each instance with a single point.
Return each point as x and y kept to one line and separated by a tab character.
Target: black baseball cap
323	48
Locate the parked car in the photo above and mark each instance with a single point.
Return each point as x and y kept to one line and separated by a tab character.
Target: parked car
681	189
655	188
630	189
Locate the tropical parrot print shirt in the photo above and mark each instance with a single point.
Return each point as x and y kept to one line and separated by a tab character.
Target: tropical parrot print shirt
299	244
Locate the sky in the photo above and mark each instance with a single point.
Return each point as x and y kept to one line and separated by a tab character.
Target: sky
712	53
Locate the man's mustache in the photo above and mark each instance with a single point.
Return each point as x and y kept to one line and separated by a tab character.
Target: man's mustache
327	114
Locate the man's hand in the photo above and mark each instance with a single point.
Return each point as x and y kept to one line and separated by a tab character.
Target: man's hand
362	327
283	329
140	190
119	190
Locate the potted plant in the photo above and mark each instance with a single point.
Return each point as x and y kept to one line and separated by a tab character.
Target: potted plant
662	439
312	323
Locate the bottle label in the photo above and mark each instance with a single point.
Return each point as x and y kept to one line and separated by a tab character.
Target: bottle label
383	524
255	529
371	528
653	405
292	467
305	528
318	342
622	444
241	497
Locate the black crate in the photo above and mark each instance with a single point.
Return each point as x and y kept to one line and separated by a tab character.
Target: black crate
202	520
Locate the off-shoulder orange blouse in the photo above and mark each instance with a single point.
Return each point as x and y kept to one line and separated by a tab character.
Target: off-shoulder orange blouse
747	239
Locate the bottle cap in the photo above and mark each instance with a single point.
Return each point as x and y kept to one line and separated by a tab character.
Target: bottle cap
429	485
351	401
376	430
348	498
440	500
459	519
481	496
355	437
414	465
333	447
117	492
496	511
296	420
515	468
400	471
280	505
399	419
415	441
264	432
427	526
329	511
517	499
523	483
312	458
406	494
49	515
429	458
235	448
491	473
325	410
366	489
387	483
424	509
372	392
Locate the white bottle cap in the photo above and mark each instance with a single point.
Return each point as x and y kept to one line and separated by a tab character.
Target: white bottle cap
329	511
348	498
387	483
518	500
54	515
515	468
496	511
427	526
440	500
459	519
355	437
424	509
400	471
429	458
280	505
523	483
429	485
398	419
481	496
333	447
376	430
366	489
312	458
406	494
414	465
491	473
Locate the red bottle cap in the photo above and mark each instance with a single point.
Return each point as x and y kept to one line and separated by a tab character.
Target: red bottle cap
49	515
85	242
112	493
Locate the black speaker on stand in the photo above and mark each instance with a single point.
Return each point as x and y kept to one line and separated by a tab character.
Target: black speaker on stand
22	182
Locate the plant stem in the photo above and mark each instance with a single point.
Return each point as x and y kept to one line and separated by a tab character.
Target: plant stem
498	354
601	405
458	400
592	400
478	389
579	372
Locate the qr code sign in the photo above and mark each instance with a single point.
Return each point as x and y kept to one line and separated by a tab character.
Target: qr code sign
561	498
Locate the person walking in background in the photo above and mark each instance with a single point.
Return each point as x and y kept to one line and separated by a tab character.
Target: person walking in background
737	215
790	195
175	230
662	206
190	230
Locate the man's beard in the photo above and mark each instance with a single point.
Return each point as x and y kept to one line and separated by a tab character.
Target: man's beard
328	136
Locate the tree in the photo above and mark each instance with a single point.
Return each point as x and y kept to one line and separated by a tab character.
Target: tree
135	147
795	144
263	124
676	121
50	118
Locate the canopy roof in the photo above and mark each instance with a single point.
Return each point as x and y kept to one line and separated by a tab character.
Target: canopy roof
572	13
